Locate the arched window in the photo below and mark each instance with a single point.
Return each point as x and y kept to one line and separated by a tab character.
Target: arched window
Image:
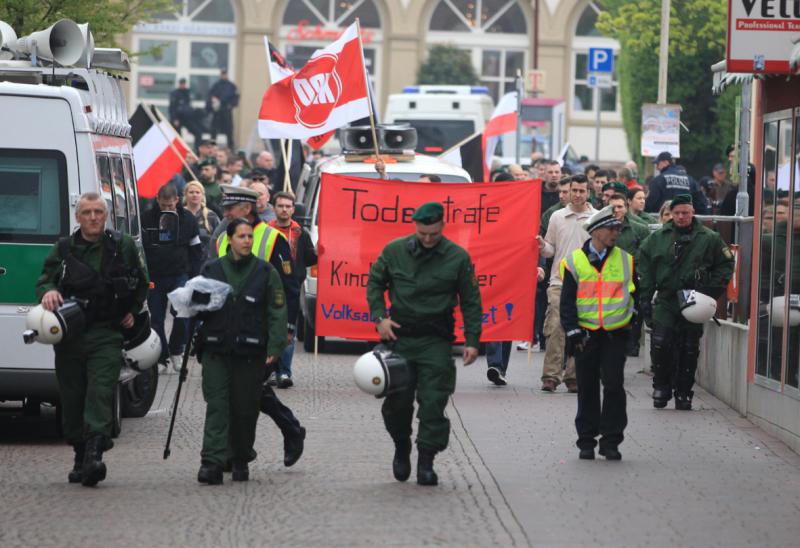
585	97
195	42
308	25
498	41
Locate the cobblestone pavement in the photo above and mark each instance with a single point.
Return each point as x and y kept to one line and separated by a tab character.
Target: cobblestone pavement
510	477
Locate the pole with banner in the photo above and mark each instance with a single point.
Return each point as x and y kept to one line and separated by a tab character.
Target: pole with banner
518	135
169	141
369	99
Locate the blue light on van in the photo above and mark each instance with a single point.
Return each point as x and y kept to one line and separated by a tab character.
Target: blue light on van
479	89
415	89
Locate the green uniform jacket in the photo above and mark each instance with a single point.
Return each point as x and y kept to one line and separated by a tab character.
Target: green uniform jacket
705	264
546	218
631	235
91	253
236	273
425	284
213	196
647	218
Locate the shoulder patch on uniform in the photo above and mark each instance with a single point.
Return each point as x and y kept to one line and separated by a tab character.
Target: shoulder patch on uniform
287	267
280	298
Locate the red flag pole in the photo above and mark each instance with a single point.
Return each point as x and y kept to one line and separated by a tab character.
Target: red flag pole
369	102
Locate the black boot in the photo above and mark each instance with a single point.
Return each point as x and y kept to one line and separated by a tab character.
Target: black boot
94	469
241	472
401	465
661	396
683	402
210	474
425	473
293	447
76	474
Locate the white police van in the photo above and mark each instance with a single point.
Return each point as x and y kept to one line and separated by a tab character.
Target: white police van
355	160
65	133
442	115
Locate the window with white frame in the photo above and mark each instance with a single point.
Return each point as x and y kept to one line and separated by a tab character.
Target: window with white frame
585	99
195	42
498	33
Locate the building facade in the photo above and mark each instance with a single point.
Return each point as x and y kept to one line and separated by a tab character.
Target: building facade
500	36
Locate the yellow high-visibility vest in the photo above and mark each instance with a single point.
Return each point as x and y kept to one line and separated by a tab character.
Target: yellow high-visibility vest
262	246
604	298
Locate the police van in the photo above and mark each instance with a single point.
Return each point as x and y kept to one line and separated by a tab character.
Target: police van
442	115
357	160
65	133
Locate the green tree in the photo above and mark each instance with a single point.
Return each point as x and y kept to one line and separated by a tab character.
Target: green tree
447	65
697	40
107	19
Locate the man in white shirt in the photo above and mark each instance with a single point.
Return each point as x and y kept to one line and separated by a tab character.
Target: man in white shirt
565	234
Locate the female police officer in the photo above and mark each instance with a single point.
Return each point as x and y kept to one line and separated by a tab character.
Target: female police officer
234	344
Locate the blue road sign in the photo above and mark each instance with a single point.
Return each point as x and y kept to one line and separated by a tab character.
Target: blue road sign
601	60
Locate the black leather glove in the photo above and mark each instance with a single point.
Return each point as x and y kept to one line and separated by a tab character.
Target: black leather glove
646	310
576	338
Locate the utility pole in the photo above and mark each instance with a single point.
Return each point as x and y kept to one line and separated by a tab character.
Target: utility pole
663	53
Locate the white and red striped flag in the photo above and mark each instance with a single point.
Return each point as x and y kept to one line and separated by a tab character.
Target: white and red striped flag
327	93
155	160
503	120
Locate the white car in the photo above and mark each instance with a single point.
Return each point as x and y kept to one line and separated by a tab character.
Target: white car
409	167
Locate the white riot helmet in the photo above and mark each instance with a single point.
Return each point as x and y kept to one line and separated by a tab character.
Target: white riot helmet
141	345
779	306
46	327
382	372
695	306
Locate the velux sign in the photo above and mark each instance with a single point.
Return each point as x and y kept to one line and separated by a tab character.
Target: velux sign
761	34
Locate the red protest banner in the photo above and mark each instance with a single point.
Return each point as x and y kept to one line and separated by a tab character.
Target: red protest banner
496	223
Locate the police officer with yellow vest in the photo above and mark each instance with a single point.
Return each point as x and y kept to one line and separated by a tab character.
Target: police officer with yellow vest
597	306
270	246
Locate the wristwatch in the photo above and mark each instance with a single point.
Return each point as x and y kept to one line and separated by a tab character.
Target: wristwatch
378	319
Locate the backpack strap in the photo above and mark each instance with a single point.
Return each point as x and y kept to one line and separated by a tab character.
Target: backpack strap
64	250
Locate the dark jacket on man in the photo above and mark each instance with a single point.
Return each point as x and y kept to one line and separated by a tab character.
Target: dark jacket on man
669	183
184	257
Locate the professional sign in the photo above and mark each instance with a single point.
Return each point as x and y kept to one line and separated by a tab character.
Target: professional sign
496	223
760	35
661	127
601	60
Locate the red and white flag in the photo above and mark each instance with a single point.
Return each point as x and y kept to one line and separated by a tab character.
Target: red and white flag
155	160
327	93
503	120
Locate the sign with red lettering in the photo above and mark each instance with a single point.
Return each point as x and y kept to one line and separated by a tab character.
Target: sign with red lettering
305	32
496	223
761	34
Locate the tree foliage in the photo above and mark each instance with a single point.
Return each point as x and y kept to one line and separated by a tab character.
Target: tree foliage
447	65
107	19
697	41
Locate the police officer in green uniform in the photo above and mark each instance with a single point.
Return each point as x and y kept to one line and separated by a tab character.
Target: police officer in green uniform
426	275
234	344
633	232
208	178
105	270
683	254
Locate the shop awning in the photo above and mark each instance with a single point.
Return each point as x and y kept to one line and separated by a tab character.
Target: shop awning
723	78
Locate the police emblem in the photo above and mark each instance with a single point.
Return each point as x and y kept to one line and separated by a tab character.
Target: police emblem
287	267
280	299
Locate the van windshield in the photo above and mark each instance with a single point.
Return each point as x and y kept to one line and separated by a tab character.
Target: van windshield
33	195
435	136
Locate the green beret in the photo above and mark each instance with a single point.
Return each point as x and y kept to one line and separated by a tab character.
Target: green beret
680	199
616	186
209	161
429	213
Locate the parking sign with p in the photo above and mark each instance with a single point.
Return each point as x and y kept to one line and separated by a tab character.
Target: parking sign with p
601	60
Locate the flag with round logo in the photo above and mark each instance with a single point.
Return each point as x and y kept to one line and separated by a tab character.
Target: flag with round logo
327	93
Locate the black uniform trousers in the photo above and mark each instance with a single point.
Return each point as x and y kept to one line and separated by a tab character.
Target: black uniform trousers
279	413
602	360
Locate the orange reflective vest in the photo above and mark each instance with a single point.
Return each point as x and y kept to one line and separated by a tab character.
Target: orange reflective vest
604	298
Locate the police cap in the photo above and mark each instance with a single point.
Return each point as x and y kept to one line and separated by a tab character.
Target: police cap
236	195
680	199
429	213
617	186
602	219
663	157
208	161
